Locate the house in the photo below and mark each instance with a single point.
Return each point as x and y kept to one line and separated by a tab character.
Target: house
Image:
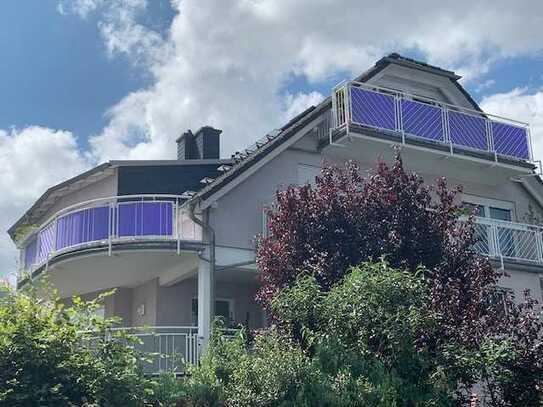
175	237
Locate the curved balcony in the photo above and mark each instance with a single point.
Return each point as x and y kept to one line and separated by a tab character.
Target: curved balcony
107	223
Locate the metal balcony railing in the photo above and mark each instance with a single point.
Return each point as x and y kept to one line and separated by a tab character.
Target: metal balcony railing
164	348
415	117
106	221
168	348
509	240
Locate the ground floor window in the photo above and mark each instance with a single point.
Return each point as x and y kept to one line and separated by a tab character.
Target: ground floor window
224	308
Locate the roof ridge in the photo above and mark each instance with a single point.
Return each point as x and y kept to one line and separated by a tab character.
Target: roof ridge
395	57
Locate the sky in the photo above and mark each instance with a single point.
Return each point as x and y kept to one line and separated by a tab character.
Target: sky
86	81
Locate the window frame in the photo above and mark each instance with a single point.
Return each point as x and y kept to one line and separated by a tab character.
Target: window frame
488	203
231	306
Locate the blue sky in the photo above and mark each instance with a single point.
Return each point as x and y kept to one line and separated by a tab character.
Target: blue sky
55	71
85	81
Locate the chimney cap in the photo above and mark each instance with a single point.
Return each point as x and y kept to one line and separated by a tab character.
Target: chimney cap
208	128
183	135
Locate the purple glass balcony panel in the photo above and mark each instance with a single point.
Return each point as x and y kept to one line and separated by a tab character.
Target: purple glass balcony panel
145	219
373	109
510	140
30	252
422	120
84	226
46	242
467	130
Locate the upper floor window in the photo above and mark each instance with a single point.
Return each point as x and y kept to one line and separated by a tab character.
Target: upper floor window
490	208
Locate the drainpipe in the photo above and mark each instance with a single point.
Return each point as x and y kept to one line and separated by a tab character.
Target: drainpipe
209	232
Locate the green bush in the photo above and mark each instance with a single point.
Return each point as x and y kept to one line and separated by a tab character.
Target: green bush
370	323
358	347
53	355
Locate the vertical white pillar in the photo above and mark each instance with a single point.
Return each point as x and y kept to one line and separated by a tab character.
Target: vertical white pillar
204	302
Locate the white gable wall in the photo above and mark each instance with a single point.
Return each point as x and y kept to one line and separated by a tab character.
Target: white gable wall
420	83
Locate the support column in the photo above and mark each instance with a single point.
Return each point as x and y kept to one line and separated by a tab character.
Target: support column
204	303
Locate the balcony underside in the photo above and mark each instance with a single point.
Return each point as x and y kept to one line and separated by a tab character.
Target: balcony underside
439	148
365	145
94	268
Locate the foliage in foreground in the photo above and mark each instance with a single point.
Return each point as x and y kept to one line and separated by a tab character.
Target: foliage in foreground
364	343
54	355
363	353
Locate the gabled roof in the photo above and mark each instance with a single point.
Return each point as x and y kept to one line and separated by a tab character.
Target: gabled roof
413	63
266	145
397	59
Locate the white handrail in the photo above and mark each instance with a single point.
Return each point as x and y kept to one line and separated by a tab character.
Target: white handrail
506	223
342	106
111	203
479	113
509	240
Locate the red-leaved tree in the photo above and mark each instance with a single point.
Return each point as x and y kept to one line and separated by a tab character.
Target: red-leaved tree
346	219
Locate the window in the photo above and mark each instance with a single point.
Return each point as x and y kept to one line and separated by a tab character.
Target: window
224	309
497	210
490	208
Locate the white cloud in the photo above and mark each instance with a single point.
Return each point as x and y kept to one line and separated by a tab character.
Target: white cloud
296	104
229	66
523	106
31	160
80	7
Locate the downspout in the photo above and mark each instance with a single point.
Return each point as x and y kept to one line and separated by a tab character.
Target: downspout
207	230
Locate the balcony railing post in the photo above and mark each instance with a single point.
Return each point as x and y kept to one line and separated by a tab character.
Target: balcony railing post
176	226
446	129
539	245
54	248
497	245
529	143
490	139
348	105
110	227
493	241
398	116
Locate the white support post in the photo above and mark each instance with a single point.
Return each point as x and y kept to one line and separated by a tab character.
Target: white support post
204	303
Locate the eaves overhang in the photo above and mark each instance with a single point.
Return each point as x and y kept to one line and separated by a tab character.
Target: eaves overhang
48	198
